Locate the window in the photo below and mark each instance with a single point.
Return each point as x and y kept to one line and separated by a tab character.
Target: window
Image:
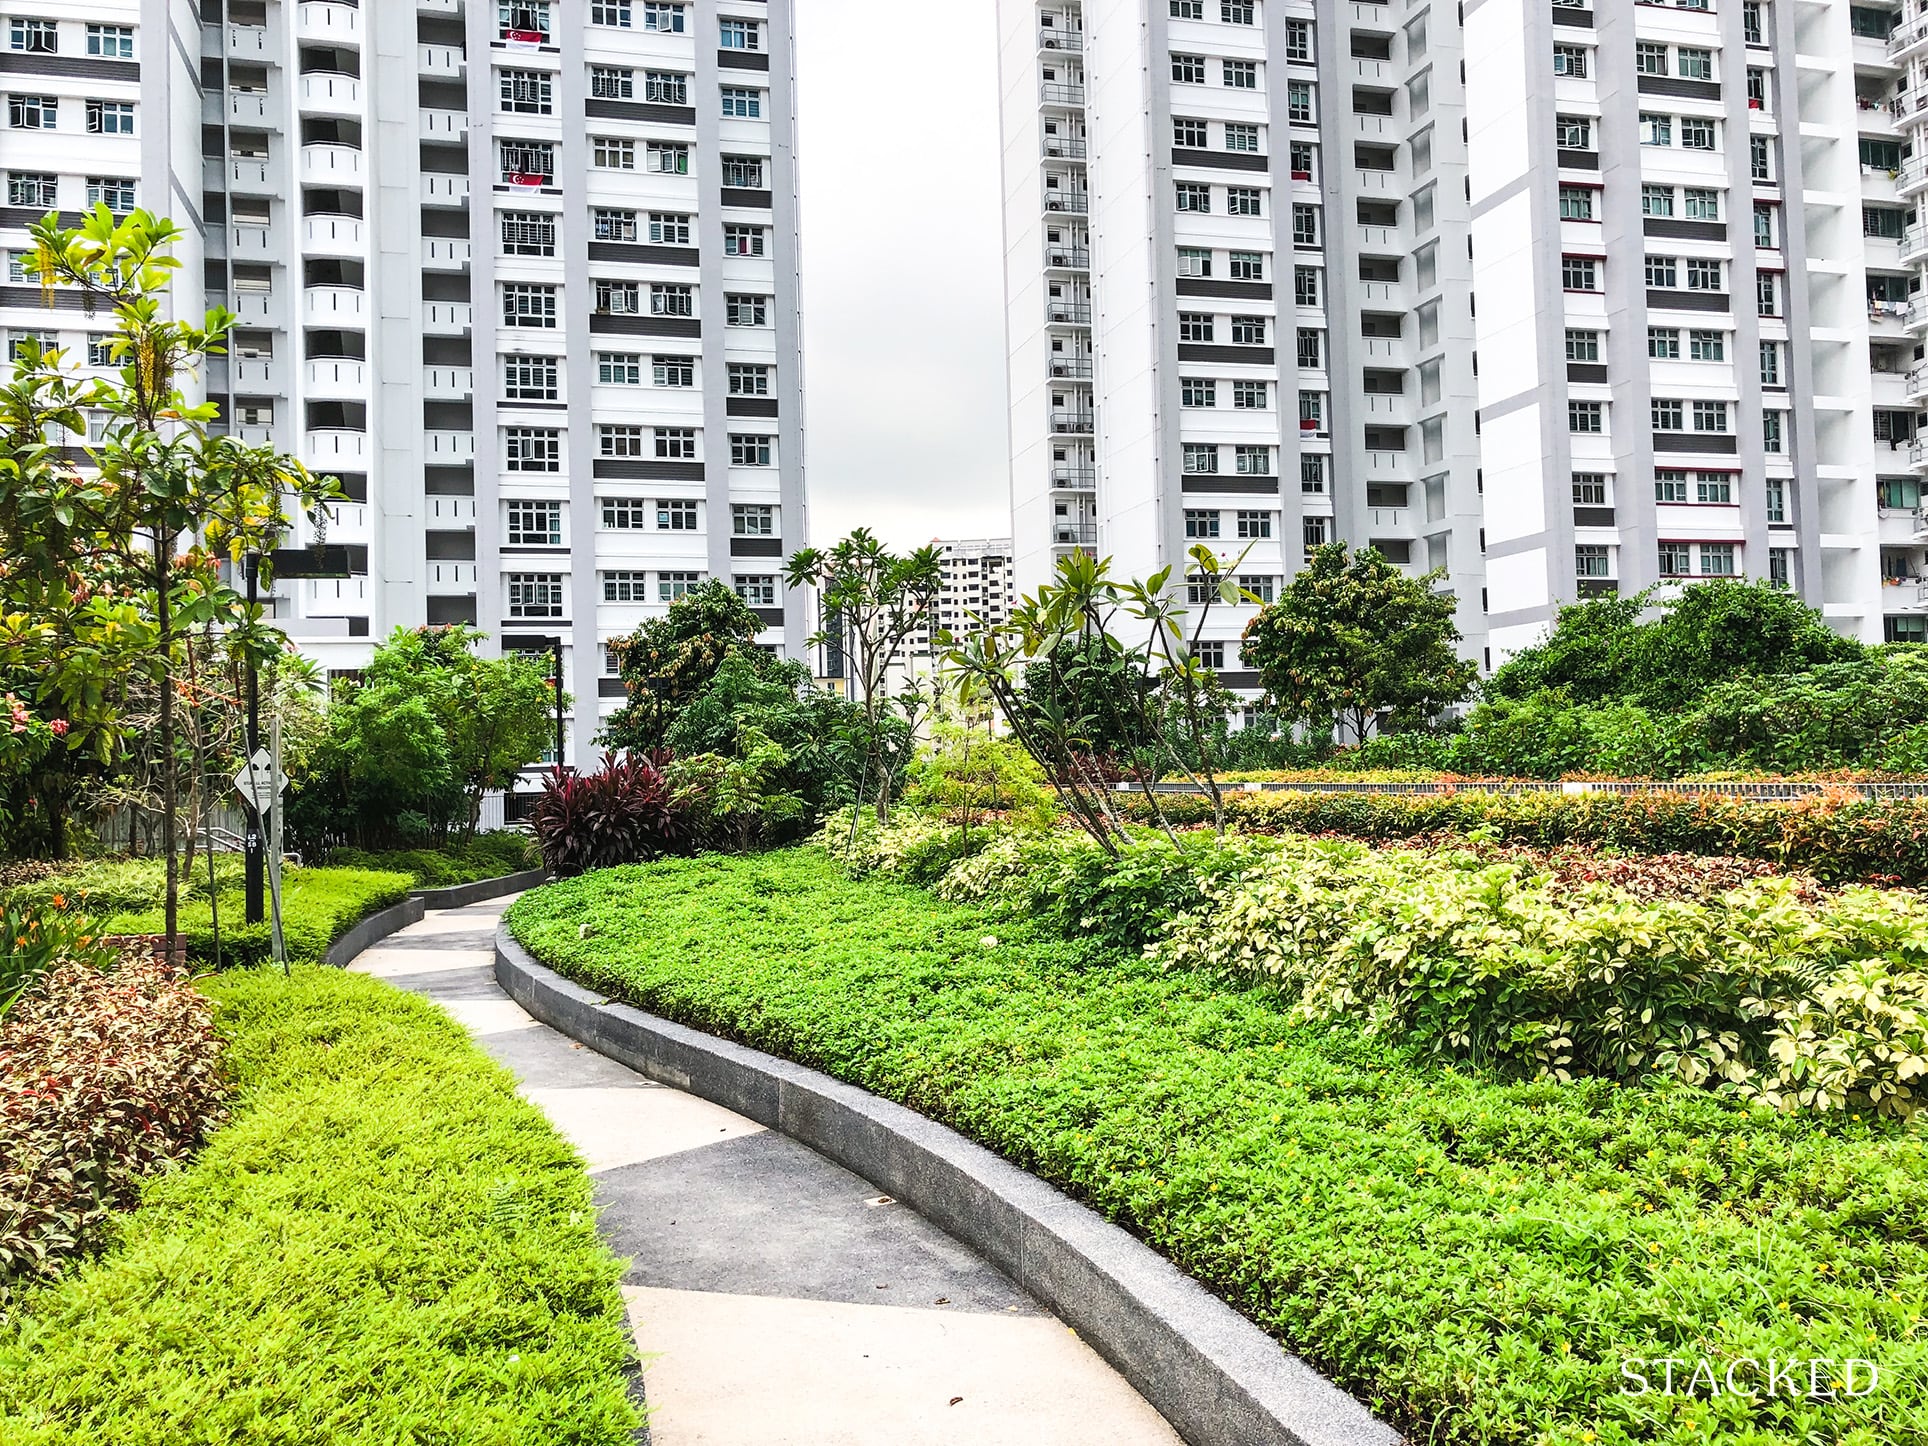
759	590
1703	204
1770	363
668	230
1668	415
616	13
673	371
30	188
1717	559
1662	273
110	117
1694	64
1576	203
1663	343
1780	566
1570	60
673	585
528	163
528	233
625	514
607	153
1244	201
116	193
619	369
1197	392
670	299
625	587
1579	273
525	92
1582	346
1189	134
1315	532
1710	416
1254	525
676	515
1703	274
33	112
1188	69
1586	416
1656	200
524	23
619	298
528	304
749	450
1696	134
1676	559
667	159
534	594
35	37
1241	137
1245	265
1894	492
1237	12
1763	225
1670	486
1305	285
1590	559
1302	155
749	379
1261	585
659	15
1312	473
1714	489
100	351
1248	331
1252	396
611	82
666	87
744	173
1201	524
1298	101
1298	40
746	310
1649	58
1767	293
752	519
1252	461
1656	130
1706	346
1239	74
535	524
740	103
1194	327
612	225
676	444
1311	349
1574	133
1194	197
1188	9
1760	154
1194	261
1589	489
1751	33
1773	432
1199	458
531	449
1312	413
743	240
110	42
530	379
741	35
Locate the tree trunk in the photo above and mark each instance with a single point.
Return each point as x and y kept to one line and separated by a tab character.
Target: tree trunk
169	802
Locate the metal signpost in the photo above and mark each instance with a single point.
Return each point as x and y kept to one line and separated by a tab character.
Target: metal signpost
261	783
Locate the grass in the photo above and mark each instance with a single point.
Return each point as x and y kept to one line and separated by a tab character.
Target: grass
1475	1258
385	1246
486	856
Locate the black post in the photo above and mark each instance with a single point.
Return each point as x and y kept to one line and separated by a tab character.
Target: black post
562	767
255	877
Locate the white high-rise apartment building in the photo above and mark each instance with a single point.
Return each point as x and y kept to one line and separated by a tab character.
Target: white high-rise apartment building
1582	298
976	582
522	275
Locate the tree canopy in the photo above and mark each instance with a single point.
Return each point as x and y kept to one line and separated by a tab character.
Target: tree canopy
668	661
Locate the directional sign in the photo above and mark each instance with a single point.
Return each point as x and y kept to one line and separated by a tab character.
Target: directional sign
258	783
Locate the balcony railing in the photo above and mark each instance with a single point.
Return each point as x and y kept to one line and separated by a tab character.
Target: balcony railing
1071	366
1054	94
1069	313
1065	148
1050	37
1068	203
1074	479
1071	423
1074	534
1067	258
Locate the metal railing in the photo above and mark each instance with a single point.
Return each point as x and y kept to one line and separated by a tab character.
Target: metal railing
1061	94
1074	313
1077	368
1068	258
1074	479
1065	423
1052	38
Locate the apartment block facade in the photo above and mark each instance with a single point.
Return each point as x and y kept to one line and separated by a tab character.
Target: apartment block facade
1583	298
522	275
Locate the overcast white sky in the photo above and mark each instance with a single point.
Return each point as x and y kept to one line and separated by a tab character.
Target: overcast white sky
903	290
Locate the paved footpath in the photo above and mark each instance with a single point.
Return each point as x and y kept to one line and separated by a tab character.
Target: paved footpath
778	1299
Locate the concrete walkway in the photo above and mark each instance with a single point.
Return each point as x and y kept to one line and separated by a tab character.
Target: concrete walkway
778	1299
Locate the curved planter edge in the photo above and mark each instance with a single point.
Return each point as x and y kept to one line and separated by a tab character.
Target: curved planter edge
1217	1378
367	932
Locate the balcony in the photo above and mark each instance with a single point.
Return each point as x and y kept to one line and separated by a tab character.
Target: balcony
248	238
333	445
326	234
444	125
1050	37
447	318
1066	478
247	42
450	513
448	383
1918	383
1071	424
1068	313
248	107
248	174
333	306
1913	176
1067	203
448	448
1068	97
1916	318
253	373
1914	244
1905	40
327	93
327	21
1065	148
1067	258
254	306
443	61
444	190
1918	454
337	377
1076	367
331	165
1074	534
446	253
453	576
1920	524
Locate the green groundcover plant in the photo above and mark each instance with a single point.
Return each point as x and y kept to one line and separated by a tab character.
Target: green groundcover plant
1482	1260
385	1245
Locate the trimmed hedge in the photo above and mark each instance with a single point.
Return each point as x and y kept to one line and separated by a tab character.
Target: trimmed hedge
485	856
1836	841
385	1245
1476	1259
318	906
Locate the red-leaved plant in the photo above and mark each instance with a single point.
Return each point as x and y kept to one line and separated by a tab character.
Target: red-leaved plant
626	814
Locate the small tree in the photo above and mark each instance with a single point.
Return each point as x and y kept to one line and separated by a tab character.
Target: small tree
668	662
1350	638
879	602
